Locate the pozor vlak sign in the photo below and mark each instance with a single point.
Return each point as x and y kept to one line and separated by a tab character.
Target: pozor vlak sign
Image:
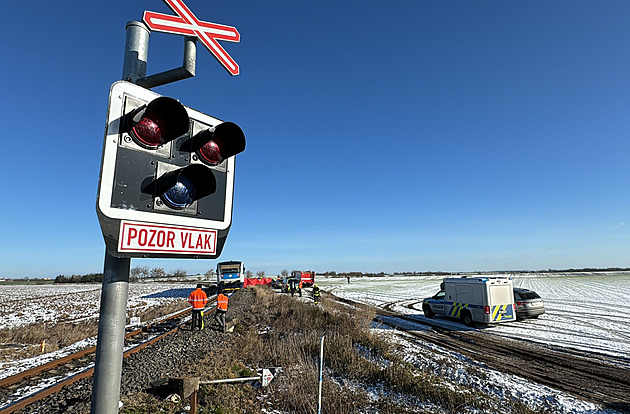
167	177
145	237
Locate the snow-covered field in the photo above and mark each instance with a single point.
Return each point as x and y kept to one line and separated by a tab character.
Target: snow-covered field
50	304
583	311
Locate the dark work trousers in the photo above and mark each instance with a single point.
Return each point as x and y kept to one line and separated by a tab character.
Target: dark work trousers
197	319
219	316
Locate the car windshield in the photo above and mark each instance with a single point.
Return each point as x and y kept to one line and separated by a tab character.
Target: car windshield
439	295
529	295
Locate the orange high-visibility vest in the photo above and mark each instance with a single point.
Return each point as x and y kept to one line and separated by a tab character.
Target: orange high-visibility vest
300	284
198	299
222	302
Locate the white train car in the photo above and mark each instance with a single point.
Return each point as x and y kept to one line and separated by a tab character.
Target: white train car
230	275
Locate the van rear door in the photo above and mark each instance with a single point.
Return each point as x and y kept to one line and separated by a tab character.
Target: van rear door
501	303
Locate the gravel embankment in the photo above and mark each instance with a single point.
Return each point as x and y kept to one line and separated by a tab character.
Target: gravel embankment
168	358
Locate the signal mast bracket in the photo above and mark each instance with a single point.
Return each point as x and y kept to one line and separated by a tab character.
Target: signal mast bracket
187	70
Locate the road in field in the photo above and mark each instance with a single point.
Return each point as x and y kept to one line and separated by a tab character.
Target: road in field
585	312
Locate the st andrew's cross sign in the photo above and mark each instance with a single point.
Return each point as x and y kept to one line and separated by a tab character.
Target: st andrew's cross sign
186	23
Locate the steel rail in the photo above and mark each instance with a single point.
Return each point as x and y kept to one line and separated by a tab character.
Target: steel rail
46	392
5	382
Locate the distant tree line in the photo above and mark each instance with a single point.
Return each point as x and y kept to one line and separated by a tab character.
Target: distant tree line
28	280
420	273
89	278
332	273
136	274
585	269
382	274
145	273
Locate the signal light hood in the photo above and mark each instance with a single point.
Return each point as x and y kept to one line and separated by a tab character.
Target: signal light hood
228	137
204	184
160	121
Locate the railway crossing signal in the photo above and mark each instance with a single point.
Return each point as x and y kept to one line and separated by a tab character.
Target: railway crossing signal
167	177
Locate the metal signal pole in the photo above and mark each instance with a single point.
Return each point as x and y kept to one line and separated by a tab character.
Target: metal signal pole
115	290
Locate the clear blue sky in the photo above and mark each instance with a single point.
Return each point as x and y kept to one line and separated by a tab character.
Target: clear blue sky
381	135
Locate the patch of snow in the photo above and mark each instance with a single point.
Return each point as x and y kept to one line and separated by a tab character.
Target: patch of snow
459	369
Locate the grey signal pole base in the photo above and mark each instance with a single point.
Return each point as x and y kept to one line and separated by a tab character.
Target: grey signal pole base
111	336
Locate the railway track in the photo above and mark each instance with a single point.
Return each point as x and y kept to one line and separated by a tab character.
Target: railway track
51	377
596	378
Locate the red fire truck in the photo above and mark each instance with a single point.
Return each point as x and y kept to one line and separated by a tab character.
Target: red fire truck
306	276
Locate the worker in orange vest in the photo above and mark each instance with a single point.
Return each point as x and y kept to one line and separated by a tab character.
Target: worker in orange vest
300	287
198	300
222	307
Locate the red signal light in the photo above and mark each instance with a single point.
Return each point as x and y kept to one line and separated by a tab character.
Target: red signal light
219	143
210	153
161	121
147	132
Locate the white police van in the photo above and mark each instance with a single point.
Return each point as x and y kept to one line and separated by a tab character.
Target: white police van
473	299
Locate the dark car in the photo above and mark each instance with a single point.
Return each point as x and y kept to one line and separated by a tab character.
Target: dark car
528	304
276	283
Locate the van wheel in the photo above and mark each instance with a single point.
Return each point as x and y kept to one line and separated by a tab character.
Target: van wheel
467	319
427	311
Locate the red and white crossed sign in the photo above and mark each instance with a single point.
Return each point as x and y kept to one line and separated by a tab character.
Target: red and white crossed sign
186	23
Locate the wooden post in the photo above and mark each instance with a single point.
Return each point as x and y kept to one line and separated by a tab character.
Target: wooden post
193	403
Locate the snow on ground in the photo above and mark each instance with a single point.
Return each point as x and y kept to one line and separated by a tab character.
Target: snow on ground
456	369
26	304
10	368
583	311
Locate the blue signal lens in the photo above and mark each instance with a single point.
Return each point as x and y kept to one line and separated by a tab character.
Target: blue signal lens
180	195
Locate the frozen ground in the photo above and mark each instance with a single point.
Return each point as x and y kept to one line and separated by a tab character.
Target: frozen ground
50	304
459	370
583	311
